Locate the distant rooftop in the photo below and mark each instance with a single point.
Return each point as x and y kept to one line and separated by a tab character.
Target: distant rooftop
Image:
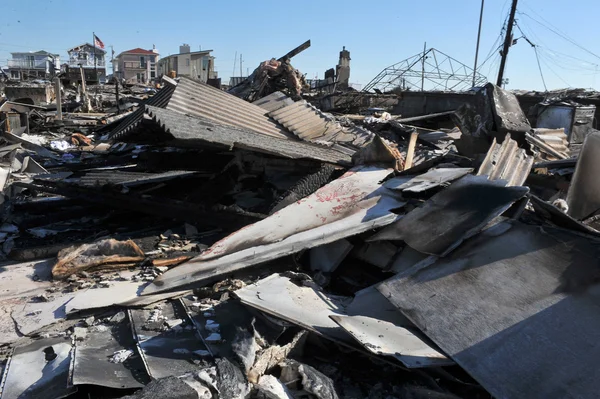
138	51
40	52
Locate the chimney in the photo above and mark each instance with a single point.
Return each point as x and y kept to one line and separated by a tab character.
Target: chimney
184	49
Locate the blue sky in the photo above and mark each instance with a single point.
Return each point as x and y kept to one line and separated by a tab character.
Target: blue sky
377	34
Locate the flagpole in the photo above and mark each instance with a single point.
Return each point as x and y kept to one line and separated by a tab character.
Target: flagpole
95	57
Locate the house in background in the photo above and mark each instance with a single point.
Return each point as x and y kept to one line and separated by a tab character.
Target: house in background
136	65
91	58
33	65
194	64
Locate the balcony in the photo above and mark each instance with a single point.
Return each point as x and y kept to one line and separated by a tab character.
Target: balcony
27	64
87	63
134	65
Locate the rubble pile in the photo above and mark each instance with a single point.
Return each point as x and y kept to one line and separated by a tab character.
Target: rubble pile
204	246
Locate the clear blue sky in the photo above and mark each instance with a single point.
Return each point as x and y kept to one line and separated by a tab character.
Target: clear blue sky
377	34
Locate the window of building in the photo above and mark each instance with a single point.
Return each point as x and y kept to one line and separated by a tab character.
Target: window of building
143	62
205	64
187	62
140	77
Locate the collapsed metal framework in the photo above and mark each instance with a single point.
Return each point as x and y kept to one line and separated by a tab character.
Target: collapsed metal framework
430	70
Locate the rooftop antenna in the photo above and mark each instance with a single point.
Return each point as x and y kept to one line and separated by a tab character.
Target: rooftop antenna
234	64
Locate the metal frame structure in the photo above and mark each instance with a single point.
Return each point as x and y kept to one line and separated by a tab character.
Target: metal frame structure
432	67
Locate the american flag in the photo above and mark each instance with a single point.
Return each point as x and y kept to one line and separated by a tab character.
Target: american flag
97	42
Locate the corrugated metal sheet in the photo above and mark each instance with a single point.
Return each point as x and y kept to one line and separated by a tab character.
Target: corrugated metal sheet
160	99
199	99
190	129
506	162
555	140
310	124
274	101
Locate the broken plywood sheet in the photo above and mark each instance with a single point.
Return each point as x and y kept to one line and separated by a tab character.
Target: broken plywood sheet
453	215
29	375
350	205
384	338
94	363
430	179
508	305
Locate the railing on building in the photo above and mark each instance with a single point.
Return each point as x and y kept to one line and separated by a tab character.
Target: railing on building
86	63
27	64
133	65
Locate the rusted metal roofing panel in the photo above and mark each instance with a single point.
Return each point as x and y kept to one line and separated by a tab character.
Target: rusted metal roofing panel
199	99
310	124
506	162
273	102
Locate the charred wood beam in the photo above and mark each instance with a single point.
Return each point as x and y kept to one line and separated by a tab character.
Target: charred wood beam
296	51
159	207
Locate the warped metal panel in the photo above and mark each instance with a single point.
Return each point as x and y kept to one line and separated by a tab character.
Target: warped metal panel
453	215
350	205
273	102
199	99
309	123
506	162
29	375
515	306
384	338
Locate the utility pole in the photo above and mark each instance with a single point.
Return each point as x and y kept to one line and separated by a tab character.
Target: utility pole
58	99
234	63
423	66
507	42
478	37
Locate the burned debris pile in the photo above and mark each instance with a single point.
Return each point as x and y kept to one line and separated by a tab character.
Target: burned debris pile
204	244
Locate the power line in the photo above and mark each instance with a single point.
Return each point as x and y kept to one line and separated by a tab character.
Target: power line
554	72
536	54
493	53
560	35
551	58
540	67
545	20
